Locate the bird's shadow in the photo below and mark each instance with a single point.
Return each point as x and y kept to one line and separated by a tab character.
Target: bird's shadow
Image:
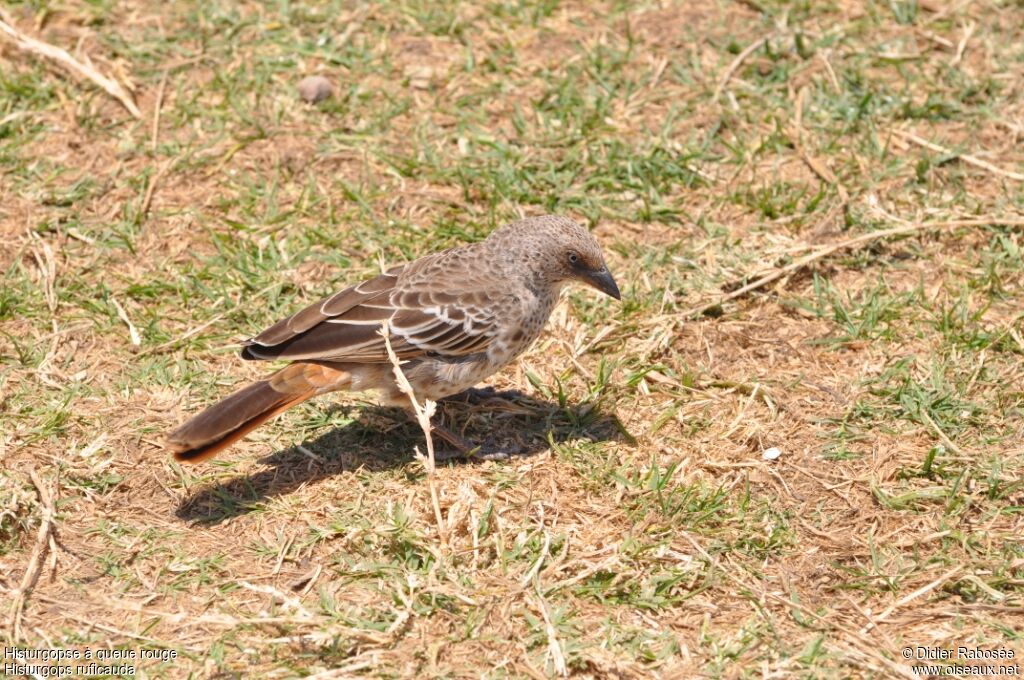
383	438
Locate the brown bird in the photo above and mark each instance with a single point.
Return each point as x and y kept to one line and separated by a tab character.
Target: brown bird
454	318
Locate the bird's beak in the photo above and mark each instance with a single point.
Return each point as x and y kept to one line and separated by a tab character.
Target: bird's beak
603	281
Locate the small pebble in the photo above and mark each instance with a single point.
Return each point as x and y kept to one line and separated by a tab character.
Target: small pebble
315	89
771	454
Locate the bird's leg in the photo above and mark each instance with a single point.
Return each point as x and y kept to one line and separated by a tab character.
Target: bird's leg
464	448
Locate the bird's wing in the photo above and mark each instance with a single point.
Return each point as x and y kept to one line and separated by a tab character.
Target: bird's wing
424	316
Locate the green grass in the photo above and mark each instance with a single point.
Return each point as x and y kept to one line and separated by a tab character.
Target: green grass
644	536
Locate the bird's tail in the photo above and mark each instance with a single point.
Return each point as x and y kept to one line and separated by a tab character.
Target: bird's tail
230	419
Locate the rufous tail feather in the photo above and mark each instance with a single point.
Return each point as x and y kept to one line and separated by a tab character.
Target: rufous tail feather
230	419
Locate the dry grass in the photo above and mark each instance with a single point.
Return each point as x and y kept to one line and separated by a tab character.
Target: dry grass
645	535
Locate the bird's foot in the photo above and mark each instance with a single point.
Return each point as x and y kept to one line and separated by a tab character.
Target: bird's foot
475	396
463	449
475	454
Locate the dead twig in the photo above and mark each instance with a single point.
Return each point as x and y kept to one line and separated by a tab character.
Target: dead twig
943	437
155	132
44	541
554	646
966	158
796	137
821	253
11	117
423	413
61	56
151	189
47	264
346	671
924	590
176	341
730	71
962	45
133	332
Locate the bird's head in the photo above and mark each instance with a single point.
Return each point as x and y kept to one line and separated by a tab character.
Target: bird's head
559	251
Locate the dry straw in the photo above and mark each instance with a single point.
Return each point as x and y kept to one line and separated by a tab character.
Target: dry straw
423	411
82	69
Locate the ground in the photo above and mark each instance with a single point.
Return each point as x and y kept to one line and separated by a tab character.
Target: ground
643	532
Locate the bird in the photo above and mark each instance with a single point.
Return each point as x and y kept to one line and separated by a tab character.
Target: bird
454	318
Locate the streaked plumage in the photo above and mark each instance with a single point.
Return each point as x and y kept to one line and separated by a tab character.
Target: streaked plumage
455	317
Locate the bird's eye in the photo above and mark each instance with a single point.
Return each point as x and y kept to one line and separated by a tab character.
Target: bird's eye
574	258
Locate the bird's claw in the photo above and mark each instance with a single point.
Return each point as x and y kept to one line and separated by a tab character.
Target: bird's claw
476	453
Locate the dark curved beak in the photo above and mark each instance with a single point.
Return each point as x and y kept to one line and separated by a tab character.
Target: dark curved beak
603	281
